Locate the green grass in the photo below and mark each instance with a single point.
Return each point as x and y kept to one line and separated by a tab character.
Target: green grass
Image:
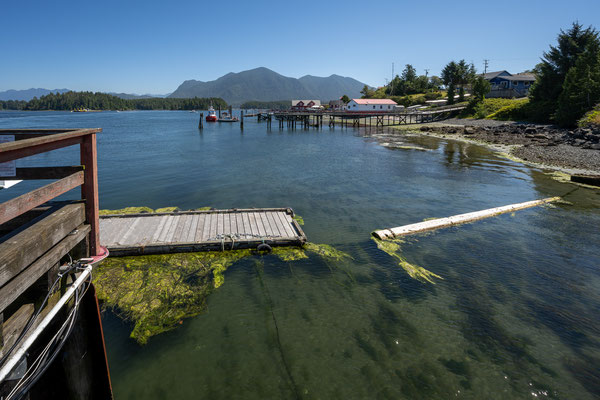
508	110
591	117
513	110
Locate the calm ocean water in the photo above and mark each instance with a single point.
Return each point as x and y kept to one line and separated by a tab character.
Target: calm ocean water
516	314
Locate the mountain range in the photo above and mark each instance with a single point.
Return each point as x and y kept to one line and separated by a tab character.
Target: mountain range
28	94
259	84
263	84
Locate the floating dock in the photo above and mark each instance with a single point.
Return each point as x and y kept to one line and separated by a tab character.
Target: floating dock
185	231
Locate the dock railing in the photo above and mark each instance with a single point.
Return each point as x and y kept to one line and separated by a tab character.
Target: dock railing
28	142
38	236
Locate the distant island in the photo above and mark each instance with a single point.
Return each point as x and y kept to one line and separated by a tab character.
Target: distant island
265	85
101	101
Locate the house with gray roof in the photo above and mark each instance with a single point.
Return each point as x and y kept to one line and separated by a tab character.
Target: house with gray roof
505	84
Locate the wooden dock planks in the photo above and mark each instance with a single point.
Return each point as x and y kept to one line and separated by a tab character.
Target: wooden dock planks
156	233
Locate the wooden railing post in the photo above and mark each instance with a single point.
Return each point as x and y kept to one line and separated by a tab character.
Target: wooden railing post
89	190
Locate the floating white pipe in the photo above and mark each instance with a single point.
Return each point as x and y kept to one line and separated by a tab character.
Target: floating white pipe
22	349
457	219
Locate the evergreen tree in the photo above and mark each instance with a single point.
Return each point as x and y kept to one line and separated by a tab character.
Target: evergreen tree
465	75
481	87
451	77
581	89
556	64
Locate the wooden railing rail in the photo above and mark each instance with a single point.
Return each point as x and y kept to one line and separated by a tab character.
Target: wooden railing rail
29	142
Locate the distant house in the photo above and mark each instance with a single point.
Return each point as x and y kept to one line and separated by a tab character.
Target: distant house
336	105
505	84
373	105
299	105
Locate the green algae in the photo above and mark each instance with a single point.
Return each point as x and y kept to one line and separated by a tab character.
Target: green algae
166	209
298	253
289	253
147	210
326	251
299	219
157	292
128	210
392	247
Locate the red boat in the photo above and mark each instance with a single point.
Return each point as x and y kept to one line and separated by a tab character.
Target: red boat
212	116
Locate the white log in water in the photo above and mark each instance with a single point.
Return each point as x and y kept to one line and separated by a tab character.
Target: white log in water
457	219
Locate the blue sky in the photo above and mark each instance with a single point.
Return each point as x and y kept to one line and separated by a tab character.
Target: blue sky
152	46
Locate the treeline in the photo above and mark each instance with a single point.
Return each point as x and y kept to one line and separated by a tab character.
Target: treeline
567	86
568	78
101	101
267	105
408	88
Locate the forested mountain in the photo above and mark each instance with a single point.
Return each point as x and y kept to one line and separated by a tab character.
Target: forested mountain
262	84
101	101
28	94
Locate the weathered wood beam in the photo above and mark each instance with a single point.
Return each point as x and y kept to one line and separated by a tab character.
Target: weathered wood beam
20	205
89	190
15	325
36	131
32	173
28	147
19	284
20	250
24	219
457	219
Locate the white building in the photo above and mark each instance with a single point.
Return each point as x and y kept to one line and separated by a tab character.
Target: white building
371	105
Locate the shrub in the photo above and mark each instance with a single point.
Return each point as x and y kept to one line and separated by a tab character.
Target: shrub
433	95
591	117
481	109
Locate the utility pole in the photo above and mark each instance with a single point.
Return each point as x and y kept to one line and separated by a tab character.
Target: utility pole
426	72
485	66
392	82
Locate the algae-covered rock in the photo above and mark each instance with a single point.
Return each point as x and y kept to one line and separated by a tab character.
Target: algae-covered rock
393	249
157	292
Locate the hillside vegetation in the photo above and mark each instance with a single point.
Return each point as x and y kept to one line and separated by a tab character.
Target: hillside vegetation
102	101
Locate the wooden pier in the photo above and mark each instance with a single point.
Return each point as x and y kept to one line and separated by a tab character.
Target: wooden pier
159	233
307	119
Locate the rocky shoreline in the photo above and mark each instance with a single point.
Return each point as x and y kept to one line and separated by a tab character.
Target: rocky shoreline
573	151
